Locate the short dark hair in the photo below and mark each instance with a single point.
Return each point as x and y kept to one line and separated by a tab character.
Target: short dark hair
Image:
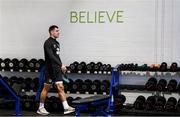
52	27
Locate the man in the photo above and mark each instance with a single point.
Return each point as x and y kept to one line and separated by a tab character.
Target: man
53	71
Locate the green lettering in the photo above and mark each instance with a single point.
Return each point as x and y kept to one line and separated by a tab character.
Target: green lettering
101	16
73	17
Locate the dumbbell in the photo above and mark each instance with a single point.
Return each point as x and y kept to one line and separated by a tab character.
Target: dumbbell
27	83
178	87
13	64
81	67
172	85
160	103
95	86
90	67
139	103
174	67
73	67
86	86
6	64
161	86
34	84
119	101
23	64
32	64
150	103
2	64
163	66
55	104
12	80
171	104
26	102
76	86
69	100
151	84
39	63
178	106
104	87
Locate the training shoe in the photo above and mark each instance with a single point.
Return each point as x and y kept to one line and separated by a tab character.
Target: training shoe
69	110
42	111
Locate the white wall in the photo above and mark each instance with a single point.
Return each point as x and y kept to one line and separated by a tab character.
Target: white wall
149	34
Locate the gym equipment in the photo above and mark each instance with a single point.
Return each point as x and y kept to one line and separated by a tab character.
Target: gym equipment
139	103
178	106
90	67
77	86
34	84
150	103
171	104
161	86
99	101
73	67
178	87
86	86
55	104
104	87
13	64
82	67
95	87
151	84
8	93
31	64
172	85
39	63
119	101
69	100
160	103
174	67
163	66
23	64
27	82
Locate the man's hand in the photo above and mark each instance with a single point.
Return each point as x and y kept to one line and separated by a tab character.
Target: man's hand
63	68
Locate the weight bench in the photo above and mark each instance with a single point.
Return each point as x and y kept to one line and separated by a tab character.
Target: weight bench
98	100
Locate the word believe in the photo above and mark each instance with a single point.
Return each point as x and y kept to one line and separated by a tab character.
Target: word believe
96	17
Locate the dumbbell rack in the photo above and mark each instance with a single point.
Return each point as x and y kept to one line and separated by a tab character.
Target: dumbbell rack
138	78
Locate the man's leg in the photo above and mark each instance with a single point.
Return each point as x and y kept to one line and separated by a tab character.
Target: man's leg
43	95
62	96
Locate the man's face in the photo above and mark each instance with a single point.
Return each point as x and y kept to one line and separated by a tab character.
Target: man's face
55	33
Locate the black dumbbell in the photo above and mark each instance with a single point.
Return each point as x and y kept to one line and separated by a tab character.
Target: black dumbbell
2	64
178	87
13	64
23	64
69	100
27	82
104	87
163	66
32	64
82	67
73	67
55	104
150	103
160	103
86	86
90	67
161	86
26	102
77	86
95	87
151	84
39	63
7	61
109	68
174	67
12	80
139	103
178	106
171	104
172	85
34	84
119	101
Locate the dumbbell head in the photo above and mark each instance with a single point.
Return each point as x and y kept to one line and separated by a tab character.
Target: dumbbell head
149	104
160	103
163	66
174	67
172	85
171	104
161	85
138	104
151	84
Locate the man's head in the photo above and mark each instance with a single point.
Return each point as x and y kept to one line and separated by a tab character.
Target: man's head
54	31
